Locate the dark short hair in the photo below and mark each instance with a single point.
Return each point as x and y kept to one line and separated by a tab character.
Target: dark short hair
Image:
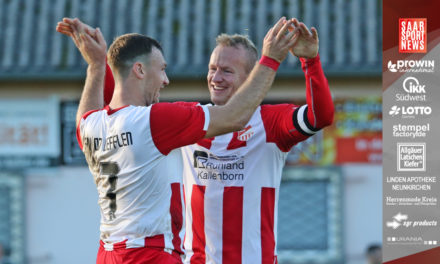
127	47
237	40
372	248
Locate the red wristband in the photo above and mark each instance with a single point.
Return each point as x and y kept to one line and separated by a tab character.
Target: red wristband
269	62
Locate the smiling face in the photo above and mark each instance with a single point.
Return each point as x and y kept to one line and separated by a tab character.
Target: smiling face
227	71
156	77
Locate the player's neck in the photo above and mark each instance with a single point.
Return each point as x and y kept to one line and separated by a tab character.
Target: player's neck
125	94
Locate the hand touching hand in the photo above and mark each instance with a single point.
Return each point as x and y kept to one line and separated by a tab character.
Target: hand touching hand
279	40
89	41
307	43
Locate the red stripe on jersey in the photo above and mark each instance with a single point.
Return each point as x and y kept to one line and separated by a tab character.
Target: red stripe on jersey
267	225
198	224
206	142
235	143
184	198
184	204
176	215
157	241
232	224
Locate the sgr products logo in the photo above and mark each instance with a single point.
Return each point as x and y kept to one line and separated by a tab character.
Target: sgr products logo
415	92
411	66
412	35
411	156
410	111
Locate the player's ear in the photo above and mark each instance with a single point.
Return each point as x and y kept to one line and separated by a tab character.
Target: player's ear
138	69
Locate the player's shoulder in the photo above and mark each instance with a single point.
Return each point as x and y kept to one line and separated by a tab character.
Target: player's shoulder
90	113
107	112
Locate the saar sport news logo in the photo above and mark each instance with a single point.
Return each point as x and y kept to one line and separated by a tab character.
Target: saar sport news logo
411	66
410	111
414	91
412	35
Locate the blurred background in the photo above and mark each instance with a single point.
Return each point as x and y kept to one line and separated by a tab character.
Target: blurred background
330	208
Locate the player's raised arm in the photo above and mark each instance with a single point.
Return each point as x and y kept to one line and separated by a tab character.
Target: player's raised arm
319	107
238	110
91	43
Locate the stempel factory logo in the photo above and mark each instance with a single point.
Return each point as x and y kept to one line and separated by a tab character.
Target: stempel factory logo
412	35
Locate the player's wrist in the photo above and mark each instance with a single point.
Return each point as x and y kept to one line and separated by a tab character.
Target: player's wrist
269	62
310	61
97	67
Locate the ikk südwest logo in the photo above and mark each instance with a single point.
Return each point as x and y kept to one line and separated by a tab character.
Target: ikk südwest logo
412	35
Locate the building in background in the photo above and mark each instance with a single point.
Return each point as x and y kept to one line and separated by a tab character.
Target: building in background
330	206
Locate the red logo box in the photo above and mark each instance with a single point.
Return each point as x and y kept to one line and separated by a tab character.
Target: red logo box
412	35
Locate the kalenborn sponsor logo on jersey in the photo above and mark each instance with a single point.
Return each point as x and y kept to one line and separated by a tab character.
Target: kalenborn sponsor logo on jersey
211	167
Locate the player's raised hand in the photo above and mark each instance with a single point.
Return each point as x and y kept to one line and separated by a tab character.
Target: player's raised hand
307	43
93	50
72	27
89	41
279	40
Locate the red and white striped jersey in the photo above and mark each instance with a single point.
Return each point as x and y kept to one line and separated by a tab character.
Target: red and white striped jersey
129	151
231	182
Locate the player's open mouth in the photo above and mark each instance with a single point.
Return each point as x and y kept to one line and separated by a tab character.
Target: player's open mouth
216	88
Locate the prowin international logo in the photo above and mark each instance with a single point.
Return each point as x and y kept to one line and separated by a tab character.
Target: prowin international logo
410	111
415	91
411	66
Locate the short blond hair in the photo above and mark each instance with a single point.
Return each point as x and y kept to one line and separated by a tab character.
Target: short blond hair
237	40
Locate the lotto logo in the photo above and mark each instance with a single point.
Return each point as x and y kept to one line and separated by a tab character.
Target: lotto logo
412	35
410	111
411	156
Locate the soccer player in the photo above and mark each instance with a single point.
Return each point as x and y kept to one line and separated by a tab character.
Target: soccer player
129	143
231	182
